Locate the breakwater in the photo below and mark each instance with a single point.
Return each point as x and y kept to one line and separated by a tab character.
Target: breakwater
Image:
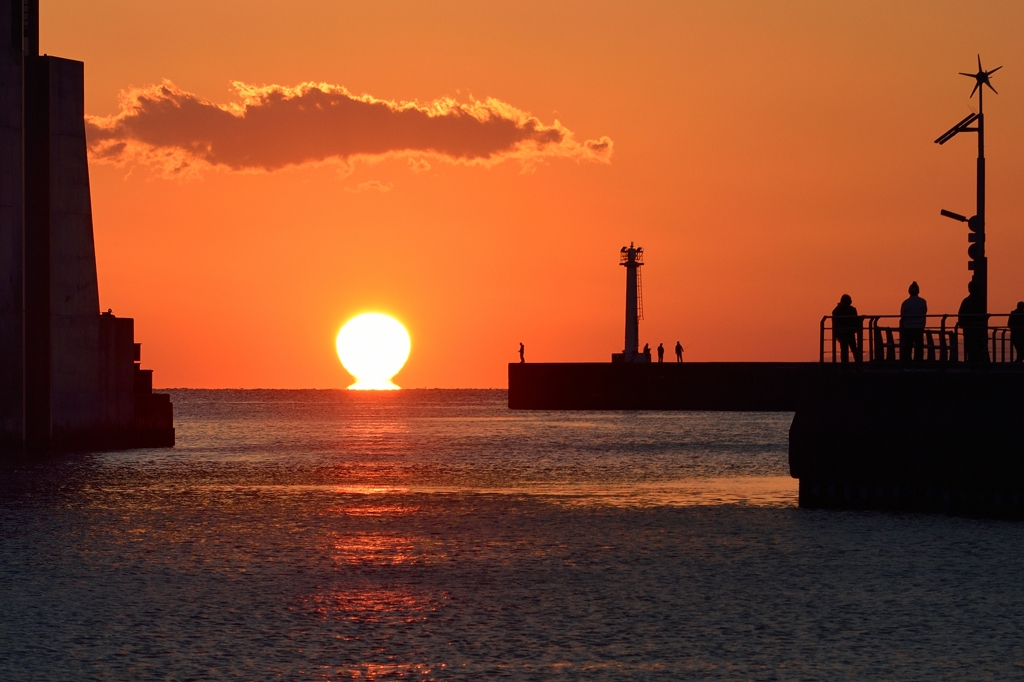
940	437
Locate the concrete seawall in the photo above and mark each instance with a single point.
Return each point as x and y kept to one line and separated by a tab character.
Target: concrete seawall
739	386
913	440
938	437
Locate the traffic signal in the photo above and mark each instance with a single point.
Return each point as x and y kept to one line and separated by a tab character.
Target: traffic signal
976	237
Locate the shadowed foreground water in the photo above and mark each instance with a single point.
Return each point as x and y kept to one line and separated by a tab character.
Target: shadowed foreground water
435	534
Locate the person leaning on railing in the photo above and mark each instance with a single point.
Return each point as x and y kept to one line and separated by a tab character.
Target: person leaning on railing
913	313
1016	325
846	325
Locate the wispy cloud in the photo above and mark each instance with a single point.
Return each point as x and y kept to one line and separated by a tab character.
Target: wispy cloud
371	186
272	127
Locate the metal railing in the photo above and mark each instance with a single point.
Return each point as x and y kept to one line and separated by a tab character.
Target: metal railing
879	338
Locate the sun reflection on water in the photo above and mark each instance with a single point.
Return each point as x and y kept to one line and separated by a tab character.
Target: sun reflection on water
372	605
388	510
376	549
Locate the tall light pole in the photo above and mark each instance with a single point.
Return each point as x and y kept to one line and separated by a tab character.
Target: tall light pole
976	223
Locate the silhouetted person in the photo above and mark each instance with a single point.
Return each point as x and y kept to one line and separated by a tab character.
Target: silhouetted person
1016	325
679	352
846	325
974	322
912	323
647	351
661	352
522	352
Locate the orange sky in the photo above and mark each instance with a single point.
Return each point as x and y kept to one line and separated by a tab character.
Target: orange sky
768	157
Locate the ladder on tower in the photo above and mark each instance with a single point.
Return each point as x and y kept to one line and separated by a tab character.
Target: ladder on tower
639	295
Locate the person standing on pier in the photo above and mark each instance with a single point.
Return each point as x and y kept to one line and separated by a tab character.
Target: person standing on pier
1016	325
679	351
522	352
661	352
913	314
973	320
846	326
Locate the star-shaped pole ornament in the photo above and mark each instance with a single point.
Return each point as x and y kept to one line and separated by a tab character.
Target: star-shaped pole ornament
980	79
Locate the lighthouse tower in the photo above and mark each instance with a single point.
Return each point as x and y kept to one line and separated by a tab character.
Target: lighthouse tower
632	258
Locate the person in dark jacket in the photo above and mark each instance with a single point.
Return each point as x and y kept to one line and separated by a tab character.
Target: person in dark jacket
846	327
1016	325
913	319
973	320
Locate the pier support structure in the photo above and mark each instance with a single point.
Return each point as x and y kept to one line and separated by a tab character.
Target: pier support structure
69	376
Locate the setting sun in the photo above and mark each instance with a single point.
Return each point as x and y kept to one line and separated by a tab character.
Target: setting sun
373	347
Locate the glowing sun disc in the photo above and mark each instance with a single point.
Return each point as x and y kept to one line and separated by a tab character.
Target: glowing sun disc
373	347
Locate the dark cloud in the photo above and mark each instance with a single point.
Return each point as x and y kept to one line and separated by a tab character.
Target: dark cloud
272	127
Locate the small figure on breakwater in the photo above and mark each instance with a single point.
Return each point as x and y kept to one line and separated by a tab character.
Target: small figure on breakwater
846	324
973	320
1016	325
647	352
661	352
522	352
679	351
913	314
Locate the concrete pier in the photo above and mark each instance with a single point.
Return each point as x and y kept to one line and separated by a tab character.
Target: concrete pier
942	437
69	377
738	386
924	440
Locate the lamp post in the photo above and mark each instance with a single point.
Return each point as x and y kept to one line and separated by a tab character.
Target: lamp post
978	262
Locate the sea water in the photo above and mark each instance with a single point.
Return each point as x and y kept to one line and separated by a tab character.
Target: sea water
435	534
